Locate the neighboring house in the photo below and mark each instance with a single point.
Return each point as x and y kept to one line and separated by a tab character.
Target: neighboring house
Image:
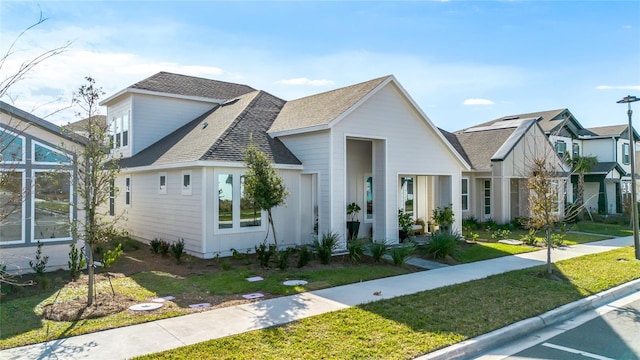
501	153
610	181
182	140
37	196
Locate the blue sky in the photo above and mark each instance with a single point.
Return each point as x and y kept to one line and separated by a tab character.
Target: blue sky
463	62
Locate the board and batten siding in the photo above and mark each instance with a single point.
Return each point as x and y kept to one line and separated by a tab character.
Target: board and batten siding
313	150
286	218
171	216
154	117
411	147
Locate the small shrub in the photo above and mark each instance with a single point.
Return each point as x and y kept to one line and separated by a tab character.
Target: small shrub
265	253
304	256
177	250
442	244
474	236
489	225
110	256
128	244
557	240
76	261
325	247
401	253
283	259
356	249
378	249
39	264
236	254
500	234
164	248
530	238
470	224
155	245
225	265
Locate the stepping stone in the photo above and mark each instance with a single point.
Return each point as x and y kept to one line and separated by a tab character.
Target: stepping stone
199	306
145	307
255	278
510	242
294	282
163	299
425	264
252	296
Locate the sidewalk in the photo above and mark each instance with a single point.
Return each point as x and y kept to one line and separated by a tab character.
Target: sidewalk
130	341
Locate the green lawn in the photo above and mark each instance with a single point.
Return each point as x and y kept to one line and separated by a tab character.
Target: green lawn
22	321
605	229
407	326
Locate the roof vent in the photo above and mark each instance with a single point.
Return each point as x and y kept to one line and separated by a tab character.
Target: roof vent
205	124
512	117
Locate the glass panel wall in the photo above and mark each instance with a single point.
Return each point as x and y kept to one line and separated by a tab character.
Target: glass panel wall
52	205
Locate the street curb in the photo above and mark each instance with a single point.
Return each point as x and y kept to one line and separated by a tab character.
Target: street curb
478	344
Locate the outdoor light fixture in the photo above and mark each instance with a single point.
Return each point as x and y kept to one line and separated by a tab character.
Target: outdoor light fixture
634	200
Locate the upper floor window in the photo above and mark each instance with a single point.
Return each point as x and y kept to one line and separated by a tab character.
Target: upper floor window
11	147
561	148
119	131
625	154
575	149
186	182
162	183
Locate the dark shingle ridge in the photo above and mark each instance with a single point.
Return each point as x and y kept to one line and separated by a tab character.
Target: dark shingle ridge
186	85
453	140
252	124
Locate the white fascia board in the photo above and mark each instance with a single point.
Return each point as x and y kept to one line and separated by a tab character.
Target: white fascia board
202	163
275	134
156	93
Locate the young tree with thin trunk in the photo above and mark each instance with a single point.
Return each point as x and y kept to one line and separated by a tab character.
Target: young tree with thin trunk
263	185
97	172
543	200
581	165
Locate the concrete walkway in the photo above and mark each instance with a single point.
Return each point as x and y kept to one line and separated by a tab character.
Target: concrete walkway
170	333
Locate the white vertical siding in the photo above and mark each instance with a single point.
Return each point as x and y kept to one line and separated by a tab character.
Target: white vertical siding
154	117
412	147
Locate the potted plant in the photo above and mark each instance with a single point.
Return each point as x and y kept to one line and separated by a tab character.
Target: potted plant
353	225
405	224
443	218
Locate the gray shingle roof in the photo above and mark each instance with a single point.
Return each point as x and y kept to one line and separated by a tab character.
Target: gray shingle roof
550	120
606	167
224	137
613	130
481	146
321	109
165	82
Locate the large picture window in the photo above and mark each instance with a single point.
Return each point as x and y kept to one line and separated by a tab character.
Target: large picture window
11	215
52	206
236	211
225	201
250	214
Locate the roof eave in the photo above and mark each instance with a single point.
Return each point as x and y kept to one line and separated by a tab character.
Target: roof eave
275	134
158	93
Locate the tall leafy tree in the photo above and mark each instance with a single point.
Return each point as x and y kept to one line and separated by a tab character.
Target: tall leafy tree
543	200
97	172
581	165
263	185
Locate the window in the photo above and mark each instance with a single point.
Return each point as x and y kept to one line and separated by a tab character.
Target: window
236	210
575	149
368	196
51	206
225	201
464	190
487	199
112	198
186	183
625	154
561	148
46	155
11	209
406	190
162	183
119	130
11	147
250	213
127	191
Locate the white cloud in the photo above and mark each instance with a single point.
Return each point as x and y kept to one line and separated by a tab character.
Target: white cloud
619	87
477	102
305	81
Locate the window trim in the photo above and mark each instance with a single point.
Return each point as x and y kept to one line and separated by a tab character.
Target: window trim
186	190
162	189
235	228
127	191
463	194
564	143
33	206
4	131
23	210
